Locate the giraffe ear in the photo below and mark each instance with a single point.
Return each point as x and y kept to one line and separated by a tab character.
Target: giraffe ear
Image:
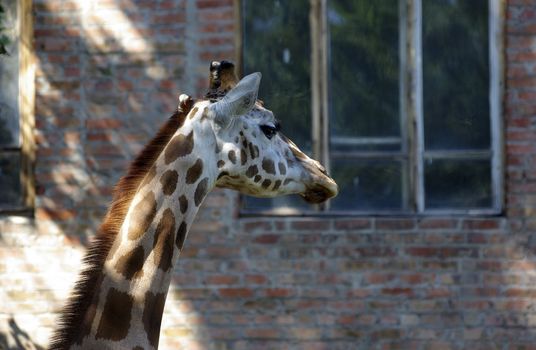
239	100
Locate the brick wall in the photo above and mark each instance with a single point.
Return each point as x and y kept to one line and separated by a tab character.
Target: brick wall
109	72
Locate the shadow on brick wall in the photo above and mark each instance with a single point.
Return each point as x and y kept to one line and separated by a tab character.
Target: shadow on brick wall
108	73
12	337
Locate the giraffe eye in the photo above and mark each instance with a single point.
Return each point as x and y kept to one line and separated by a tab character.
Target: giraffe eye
269	131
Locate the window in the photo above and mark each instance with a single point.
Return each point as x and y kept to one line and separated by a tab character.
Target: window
16	107
400	99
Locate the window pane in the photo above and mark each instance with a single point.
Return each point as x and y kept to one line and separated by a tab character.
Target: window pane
276	42
458	184
368	185
9	79
456	74
10	186
364	71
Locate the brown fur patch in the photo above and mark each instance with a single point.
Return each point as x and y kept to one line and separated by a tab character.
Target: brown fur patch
179	146
71	322
200	191
195	171
232	156
220	163
163	240
181	235
142	217
115	321
183	203
130	265
243	157
277	184
169	181
257	178
252	171
266	183
268	166
152	316
282	168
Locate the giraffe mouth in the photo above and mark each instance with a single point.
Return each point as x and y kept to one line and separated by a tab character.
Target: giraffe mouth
320	192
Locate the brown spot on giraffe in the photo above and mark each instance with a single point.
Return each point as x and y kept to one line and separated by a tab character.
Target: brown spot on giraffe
200	191
179	146
152	316
194	172
220	163
115	320
252	151
268	166
130	265
266	183
181	235
146	211
277	184
183	204
243	157
169	181
282	168
252	171
257	178
232	156
163	240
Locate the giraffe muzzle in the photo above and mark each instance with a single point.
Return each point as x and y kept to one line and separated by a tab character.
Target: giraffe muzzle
321	189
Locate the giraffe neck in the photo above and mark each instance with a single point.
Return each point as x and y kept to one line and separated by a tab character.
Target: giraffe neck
129	303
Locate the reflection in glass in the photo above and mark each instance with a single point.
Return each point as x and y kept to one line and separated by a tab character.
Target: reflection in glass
368	185
276	42
456	74
10	187
457	184
9	79
364	68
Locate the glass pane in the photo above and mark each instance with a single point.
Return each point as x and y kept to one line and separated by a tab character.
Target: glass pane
368	185
364	70
276	42
457	184
9	78
456	74
10	186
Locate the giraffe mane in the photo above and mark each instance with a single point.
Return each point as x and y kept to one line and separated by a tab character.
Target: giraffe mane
78	304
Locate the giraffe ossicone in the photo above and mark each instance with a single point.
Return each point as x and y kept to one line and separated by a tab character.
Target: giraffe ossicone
228	140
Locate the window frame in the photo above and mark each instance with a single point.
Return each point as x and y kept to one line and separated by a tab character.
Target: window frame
26	102
411	111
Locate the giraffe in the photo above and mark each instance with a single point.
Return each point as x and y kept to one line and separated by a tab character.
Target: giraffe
228	140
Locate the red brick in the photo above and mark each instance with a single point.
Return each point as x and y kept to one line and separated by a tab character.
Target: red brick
310	225
236	292
267	239
395	224
221	279
482	224
54	214
213	3
434	223
352	224
105	123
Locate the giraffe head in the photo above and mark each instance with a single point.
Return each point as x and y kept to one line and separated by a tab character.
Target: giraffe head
254	157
